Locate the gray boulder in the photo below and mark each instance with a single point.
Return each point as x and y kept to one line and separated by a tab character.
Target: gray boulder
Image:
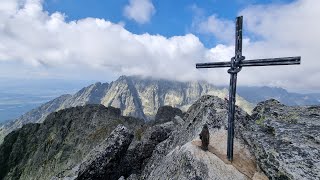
286	140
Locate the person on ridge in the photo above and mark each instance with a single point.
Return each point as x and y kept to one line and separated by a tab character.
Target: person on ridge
205	136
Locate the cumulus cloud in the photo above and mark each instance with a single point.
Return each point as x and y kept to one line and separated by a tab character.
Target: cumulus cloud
139	10
32	37
277	30
37	43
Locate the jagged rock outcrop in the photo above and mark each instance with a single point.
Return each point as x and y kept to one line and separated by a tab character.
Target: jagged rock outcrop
56	146
140	151
286	140
103	160
137	97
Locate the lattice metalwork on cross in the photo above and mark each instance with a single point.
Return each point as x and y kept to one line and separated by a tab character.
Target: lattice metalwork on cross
235	66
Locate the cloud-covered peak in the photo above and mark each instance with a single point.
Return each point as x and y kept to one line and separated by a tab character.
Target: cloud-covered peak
139	10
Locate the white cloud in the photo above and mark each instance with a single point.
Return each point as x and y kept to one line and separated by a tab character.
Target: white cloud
139	10
33	38
37	44
222	29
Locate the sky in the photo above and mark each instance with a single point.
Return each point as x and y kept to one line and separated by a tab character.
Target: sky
95	40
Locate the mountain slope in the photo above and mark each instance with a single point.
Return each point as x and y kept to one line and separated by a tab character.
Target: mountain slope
87	95
39	151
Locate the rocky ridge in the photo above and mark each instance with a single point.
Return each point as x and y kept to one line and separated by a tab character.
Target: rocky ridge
179	157
60	143
275	142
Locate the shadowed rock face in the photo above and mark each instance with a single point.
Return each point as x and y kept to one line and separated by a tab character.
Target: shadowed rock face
55	147
139	153
103	160
166	114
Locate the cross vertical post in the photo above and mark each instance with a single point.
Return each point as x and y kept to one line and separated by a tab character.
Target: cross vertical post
234	69
235	66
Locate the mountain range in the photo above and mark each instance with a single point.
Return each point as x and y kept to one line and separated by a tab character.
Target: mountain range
141	98
135	96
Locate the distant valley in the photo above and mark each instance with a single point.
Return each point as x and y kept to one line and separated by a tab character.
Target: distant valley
13	105
18	96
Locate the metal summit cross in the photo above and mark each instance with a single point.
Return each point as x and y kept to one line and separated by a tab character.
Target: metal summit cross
236	63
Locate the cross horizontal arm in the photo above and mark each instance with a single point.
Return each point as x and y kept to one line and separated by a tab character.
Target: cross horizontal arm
272	61
255	62
213	65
